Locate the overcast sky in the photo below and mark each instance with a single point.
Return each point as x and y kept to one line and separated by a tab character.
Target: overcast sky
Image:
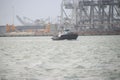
33	9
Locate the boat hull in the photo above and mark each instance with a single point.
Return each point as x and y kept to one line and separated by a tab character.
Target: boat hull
68	36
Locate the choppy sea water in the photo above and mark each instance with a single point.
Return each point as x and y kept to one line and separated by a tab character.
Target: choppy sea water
40	58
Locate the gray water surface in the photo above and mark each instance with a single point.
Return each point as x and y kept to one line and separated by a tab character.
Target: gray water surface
40	58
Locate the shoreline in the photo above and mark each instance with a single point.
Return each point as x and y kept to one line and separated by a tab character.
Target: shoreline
81	33
52	35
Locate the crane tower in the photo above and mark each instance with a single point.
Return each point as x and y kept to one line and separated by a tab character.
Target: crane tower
91	14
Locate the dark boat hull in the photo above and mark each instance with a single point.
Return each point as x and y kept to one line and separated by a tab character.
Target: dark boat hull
68	36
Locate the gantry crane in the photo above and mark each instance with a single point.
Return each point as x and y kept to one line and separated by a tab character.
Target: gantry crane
91	14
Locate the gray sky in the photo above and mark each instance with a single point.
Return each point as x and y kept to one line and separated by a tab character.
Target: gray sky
33	9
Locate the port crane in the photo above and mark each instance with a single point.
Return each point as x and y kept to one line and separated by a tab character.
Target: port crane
91	14
29	22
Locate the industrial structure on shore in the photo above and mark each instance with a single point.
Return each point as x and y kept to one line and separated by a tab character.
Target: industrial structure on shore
29	22
28	28
91	15
87	17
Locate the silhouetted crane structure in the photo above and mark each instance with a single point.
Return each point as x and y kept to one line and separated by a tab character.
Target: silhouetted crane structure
91	14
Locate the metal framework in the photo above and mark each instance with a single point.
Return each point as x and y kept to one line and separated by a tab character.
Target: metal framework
91	14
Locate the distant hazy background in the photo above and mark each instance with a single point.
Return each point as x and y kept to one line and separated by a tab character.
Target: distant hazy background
33	9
